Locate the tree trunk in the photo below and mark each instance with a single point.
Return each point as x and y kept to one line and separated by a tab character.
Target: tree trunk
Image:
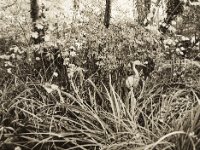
107	15
143	8
35	16
34	10
140	9
174	8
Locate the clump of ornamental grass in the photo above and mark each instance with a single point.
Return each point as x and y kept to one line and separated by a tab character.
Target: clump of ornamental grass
40	115
33	117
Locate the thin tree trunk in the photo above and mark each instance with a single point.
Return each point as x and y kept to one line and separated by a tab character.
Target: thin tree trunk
35	16
107	15
38	34
34	10
143	8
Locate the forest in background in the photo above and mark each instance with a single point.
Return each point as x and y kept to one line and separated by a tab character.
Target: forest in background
66	67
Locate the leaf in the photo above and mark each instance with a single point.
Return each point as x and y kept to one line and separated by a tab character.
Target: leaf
48	88
54	87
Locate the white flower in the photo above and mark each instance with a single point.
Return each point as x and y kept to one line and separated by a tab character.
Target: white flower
37	58
47	38
78	45
72	53
13	55
177	50
72	48
34	35
66	61
9	70
18	57
185	38
18	148
181	53
173	22
193	39
191	134
39	26
55	74
182	48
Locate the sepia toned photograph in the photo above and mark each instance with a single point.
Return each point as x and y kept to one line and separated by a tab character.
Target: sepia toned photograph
99	74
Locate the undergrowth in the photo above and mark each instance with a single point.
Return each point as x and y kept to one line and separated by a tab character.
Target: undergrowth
166	116
72	96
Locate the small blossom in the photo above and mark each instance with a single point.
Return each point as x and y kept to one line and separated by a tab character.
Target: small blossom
55	74
173	22
182	48
191	134
184	38
72	53
100	63
39	26
37	58
181	53
174	74
72	48
177	50
18	148
34	35
47	38
13	55
66	61
78	45
9	70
